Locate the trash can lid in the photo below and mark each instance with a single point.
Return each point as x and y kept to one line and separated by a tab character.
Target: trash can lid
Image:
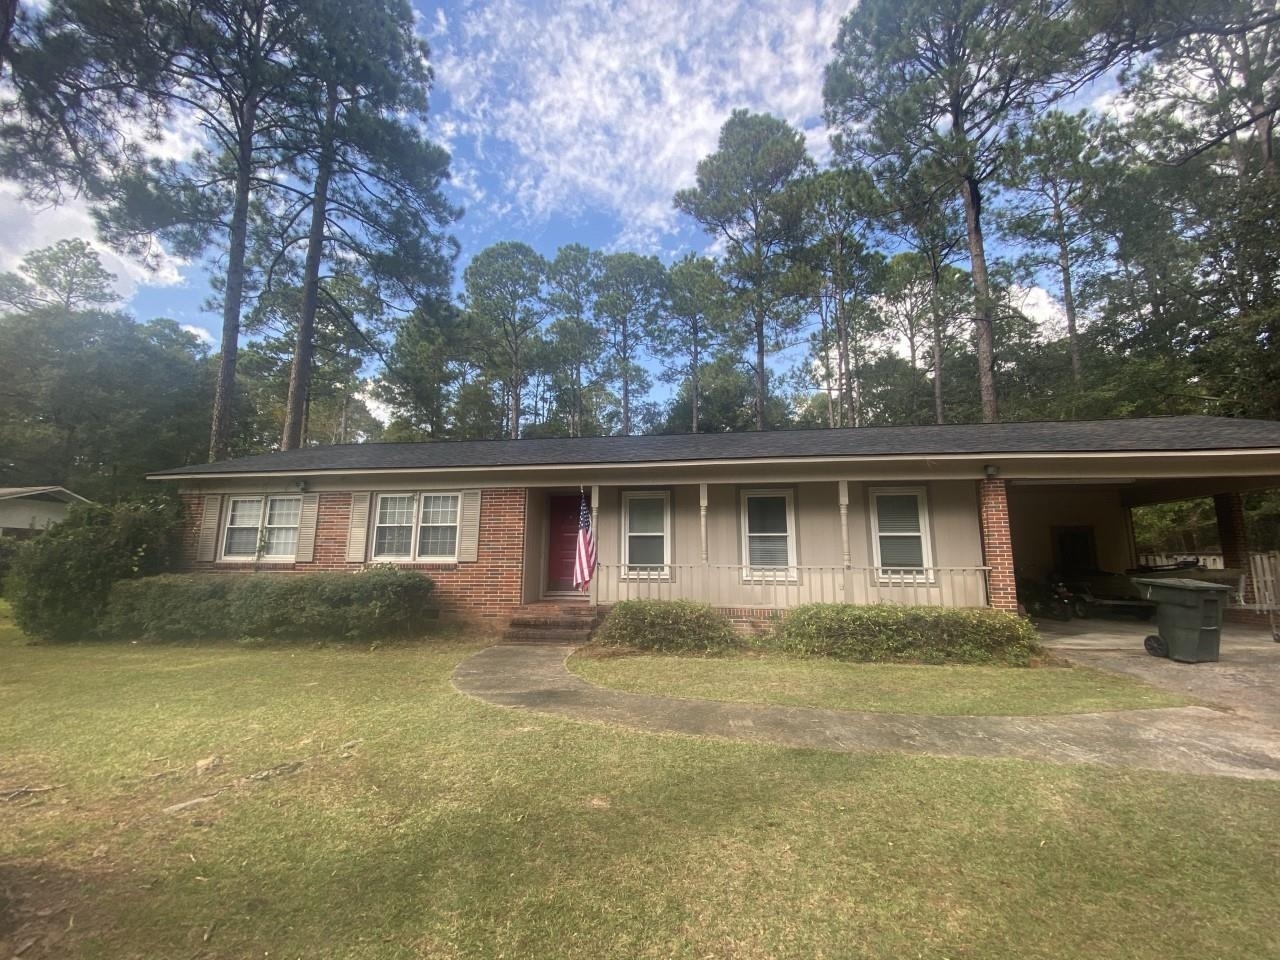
1181	583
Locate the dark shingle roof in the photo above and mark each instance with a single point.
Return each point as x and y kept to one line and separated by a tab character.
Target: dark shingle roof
1084	436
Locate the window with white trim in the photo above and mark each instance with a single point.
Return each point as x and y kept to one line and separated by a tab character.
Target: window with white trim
646	532
768	531
411	526
264	527
900	530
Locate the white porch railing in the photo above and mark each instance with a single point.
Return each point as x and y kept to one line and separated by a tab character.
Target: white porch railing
729	585
1263	587
1210	561
1258	587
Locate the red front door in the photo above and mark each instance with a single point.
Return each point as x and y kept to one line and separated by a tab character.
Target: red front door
562	541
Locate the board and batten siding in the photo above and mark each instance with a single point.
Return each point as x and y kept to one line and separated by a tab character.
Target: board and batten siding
953	519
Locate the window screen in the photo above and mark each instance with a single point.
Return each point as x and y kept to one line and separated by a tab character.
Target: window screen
899	530
646	530
768	530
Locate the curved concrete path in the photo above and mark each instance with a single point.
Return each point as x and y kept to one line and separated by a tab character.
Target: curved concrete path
1178	740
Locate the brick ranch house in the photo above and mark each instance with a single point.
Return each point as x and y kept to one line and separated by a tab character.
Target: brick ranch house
748	522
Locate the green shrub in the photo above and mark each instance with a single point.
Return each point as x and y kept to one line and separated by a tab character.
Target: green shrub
901	634
376	603
8	550
666	625
59	581
169	607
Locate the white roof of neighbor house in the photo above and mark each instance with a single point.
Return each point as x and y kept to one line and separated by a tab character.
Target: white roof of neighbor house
41	493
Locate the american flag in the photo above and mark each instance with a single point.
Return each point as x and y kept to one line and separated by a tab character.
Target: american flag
584	563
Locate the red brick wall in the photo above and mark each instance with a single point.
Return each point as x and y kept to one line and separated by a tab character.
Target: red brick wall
189	530
1229	508
490	588
997	546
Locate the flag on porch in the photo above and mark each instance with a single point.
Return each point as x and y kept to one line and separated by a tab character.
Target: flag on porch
584	564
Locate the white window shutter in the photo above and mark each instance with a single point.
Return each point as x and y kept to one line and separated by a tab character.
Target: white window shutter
306	551
358	530
469	527
207	544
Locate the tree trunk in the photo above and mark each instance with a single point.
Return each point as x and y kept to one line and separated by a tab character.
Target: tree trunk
575	421
983	321
514	411
762	382
843	348
939	413
224	393
8	17
693	377
304	344
1264	130
626	398
1068	294
826	362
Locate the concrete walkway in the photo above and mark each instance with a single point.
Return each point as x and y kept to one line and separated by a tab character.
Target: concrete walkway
1246	678
1179	740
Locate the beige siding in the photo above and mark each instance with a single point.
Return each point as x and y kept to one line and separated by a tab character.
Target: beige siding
953	512
608	550
24	514
954	536
1035	510
953	517
535	545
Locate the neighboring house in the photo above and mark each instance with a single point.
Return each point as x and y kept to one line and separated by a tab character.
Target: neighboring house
25	511
747	522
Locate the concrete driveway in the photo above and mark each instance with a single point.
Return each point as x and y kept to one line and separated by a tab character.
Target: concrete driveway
1196	740
1245	681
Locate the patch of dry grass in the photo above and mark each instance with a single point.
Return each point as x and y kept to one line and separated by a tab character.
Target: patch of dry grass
422	824
873	687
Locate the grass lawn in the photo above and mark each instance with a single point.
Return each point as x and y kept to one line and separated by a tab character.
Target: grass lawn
873	687
456	829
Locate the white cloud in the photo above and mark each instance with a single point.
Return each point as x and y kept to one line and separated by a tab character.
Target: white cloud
24	228
597	105
379	410
1040	306
200	333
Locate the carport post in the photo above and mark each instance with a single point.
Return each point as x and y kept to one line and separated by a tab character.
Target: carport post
1229	508
997	544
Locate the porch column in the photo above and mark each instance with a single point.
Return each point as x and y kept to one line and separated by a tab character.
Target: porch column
843	488
702	521
1229	508
997	546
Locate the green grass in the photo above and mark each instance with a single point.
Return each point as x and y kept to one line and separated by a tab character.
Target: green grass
874	687
457	829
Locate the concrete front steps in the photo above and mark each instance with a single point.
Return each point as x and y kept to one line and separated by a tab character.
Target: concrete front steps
552	622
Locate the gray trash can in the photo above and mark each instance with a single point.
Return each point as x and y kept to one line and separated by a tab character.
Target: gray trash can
1188	616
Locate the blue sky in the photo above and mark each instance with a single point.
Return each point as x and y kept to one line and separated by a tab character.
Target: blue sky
569	121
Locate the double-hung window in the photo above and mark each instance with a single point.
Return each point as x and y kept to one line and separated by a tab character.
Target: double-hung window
411	526
899	519
646	533
265	527
768	533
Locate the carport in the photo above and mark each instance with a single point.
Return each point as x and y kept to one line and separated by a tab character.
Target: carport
1071	526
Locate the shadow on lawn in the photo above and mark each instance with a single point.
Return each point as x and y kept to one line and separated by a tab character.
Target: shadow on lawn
45	908
530	869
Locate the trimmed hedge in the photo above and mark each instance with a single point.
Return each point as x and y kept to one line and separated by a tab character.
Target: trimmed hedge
902	634
666	625
59	581
376	603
